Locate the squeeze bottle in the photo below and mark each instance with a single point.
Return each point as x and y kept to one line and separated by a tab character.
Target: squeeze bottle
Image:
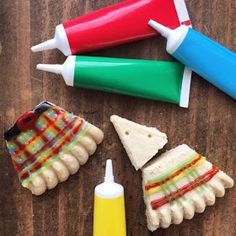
117	24
157	80
109	207
209	59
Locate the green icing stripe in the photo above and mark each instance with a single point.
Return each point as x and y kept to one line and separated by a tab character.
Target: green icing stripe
195	174
46	152
192	176
176	188
172	170
187	173
173	183
165	189
56	157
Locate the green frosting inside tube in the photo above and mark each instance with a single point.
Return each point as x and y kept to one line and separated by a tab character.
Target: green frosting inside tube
157	80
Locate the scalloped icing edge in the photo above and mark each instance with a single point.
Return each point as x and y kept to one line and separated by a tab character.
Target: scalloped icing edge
68	164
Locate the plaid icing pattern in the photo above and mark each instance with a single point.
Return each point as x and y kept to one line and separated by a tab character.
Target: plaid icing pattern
38	148
167	182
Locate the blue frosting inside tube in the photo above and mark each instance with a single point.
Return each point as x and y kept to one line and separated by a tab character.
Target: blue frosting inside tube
210	60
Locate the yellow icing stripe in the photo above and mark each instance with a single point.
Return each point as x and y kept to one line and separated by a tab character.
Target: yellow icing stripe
55	158
176	178
172	170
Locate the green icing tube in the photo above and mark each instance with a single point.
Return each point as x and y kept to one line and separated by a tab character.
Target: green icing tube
157	80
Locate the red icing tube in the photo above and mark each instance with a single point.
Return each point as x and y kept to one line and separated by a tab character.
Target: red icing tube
114	25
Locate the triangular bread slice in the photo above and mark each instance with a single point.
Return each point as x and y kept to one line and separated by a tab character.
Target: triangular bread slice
179	183
140	142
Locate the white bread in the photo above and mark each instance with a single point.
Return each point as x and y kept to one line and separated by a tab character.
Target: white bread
140	142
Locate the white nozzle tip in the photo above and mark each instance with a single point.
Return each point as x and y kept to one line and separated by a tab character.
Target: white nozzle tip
50	68
109	172
151	22
35	48
163	30
40	67
50	44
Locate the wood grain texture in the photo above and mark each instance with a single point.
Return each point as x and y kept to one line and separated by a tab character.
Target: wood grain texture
209	125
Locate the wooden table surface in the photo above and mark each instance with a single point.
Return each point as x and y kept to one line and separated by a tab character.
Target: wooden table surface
209	124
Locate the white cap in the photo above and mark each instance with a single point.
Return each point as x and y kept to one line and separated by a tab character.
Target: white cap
174	37
109	189
56	68
60	41
174	40
164	31
66	70
109	177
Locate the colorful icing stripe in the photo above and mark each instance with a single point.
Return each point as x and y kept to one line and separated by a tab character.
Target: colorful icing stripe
41	135
173	196
38	133
177	171
56	157
171	170
190	173
37	148
40	159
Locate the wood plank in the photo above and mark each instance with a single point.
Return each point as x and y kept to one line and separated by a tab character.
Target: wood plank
209	124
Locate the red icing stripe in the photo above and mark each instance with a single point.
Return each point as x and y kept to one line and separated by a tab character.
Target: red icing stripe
38	133
185	189
31	157
21	148
187	23
178	172
54	151
52	122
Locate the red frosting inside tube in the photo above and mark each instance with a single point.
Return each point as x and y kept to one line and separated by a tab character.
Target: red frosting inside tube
121	23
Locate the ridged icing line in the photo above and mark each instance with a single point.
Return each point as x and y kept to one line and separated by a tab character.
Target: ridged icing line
173	179
173	172
173	196
55	158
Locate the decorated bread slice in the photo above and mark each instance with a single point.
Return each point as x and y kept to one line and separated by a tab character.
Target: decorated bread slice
48	144
140	142
179	183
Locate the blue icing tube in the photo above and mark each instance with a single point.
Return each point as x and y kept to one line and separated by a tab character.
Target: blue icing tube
204	56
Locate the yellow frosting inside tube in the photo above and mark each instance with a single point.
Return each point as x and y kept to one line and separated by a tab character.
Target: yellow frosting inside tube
109	216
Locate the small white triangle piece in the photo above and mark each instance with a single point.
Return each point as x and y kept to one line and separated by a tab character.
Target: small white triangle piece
140	142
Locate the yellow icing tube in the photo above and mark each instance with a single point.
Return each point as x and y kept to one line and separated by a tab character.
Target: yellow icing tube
109	207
